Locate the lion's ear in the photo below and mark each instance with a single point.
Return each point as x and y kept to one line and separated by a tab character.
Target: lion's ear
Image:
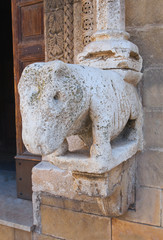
62	69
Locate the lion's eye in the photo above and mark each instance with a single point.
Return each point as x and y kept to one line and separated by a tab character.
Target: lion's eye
56	96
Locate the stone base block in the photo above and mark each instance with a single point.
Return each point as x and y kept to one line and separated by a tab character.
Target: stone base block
108	194
71	225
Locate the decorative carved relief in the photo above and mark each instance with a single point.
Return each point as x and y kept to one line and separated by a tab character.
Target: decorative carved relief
55	36
51	5
87	20
68	31
59	30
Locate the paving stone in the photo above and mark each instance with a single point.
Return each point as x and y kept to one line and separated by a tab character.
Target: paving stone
73	225
123	230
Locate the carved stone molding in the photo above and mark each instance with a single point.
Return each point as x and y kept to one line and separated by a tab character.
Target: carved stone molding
87	20
68	31
51	5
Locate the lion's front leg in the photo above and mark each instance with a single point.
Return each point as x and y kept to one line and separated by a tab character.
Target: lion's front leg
101	148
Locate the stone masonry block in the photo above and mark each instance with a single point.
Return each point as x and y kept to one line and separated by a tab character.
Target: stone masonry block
153	87
37	236
142	12
123	230
149	42
70	225
22	235
162	208
150	169
81	205
153	129
6	233
147	207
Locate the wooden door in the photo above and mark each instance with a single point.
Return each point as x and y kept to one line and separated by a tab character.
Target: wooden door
28	47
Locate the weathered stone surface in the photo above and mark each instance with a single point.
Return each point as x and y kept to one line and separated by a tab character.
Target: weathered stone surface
161	208
48	178
110	15
118	185
153	129
149	41
114	190
108	54
80	161
110	48
147	209
153	88
6	233
37	236
58	100
22	235
140	13
150	169
73	225
78	44
83	205
75	143
123	230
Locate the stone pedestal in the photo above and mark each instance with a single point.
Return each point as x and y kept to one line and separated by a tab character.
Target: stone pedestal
76	195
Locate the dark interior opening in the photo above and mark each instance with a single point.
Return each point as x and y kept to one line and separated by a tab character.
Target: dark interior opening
7	106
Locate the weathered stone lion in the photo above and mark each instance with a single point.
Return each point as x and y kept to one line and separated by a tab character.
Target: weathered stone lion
58	100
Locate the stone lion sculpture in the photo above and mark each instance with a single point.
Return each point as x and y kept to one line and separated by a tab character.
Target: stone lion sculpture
58	100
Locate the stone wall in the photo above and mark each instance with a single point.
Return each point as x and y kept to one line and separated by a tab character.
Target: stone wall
144	22
66	219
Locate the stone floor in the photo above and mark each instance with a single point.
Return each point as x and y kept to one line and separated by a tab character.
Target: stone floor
14	212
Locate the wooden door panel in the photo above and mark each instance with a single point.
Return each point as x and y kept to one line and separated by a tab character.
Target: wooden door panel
28	47
31	22
31	51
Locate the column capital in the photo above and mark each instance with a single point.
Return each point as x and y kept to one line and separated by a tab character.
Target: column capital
109	47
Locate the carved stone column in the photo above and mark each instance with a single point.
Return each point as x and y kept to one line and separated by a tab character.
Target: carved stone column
110	47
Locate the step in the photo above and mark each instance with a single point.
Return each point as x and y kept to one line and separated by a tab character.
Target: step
16	215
